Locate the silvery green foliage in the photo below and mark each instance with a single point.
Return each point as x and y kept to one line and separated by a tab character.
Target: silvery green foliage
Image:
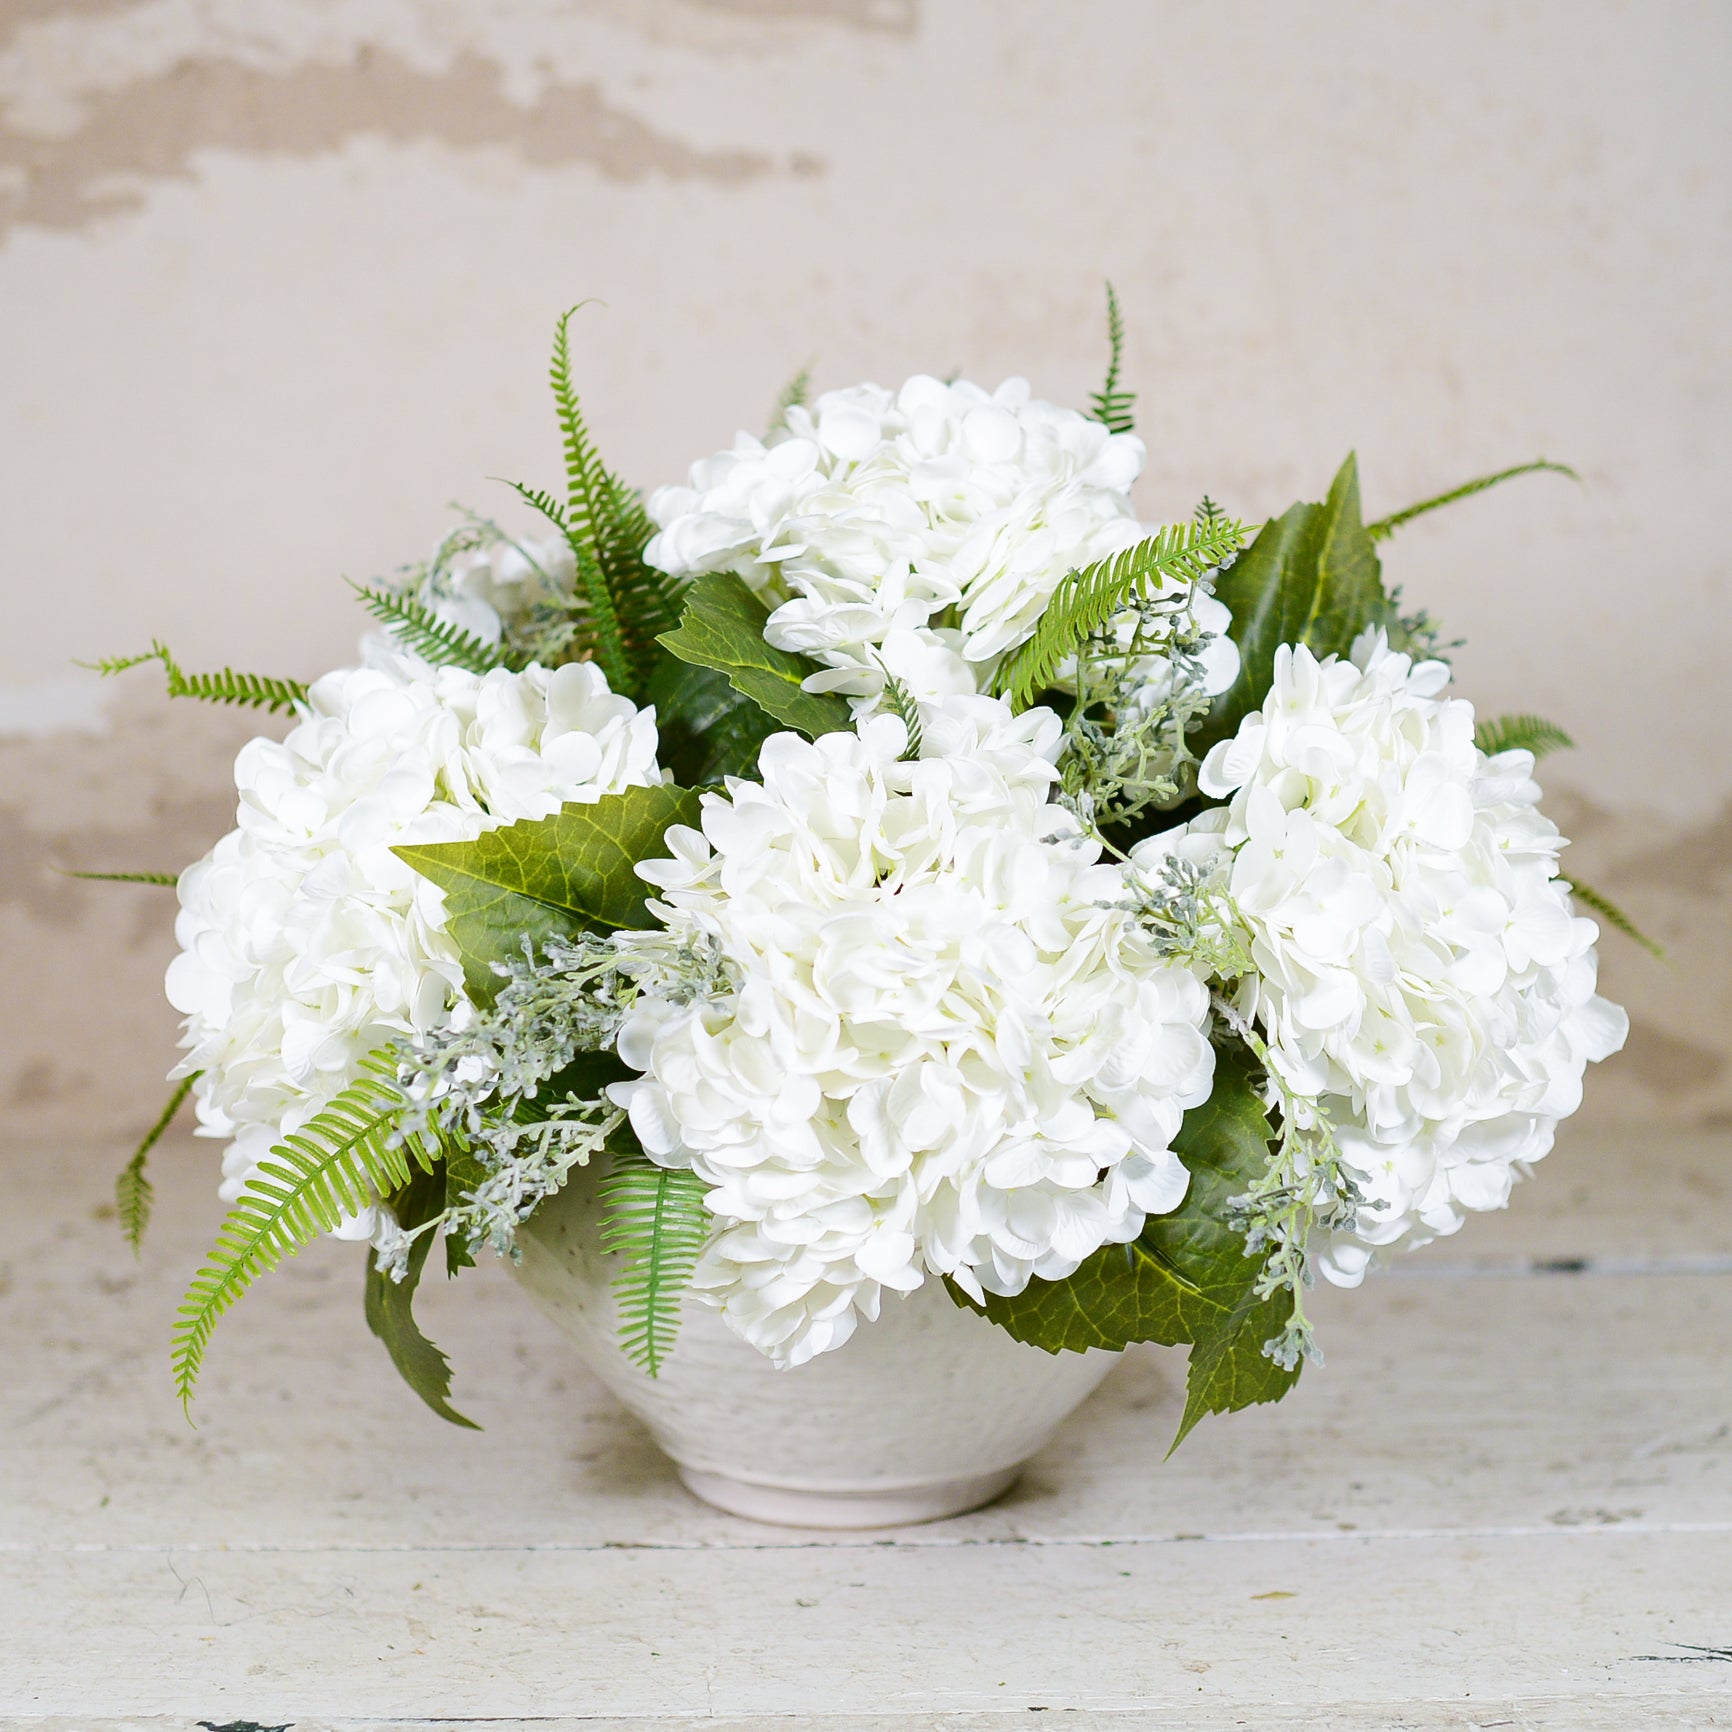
505	595
1304	1192
482	1080
526	1164
1141	686
1187	911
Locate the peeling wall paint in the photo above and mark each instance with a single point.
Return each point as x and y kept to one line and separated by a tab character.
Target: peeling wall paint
155	129
276	278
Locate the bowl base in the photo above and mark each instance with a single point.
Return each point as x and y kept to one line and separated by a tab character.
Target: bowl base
891	1507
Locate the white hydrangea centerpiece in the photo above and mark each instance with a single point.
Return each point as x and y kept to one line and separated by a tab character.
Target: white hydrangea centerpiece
950	1049
906	869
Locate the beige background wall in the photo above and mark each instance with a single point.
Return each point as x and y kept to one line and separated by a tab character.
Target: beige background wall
277	276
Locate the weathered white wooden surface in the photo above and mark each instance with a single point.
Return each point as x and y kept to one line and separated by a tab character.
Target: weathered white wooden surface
1506	1502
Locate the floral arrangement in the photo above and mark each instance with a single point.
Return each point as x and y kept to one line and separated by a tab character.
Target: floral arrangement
897	863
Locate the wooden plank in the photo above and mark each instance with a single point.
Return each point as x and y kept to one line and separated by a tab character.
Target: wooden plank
1512	1484
866	1629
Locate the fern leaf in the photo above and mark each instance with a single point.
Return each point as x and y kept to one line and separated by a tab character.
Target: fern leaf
1386	526
334	1166
1613	915
167	879
1112	404
590	503
254	691
630	603
657	1218
539	499
793	395
585	646
111	665
907	706
433	639
1087	599
650	602
133	1192
1520	734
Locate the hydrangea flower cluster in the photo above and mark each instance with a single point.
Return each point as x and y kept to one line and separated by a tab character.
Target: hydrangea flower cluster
1416	967
305	942
951	1050
917	533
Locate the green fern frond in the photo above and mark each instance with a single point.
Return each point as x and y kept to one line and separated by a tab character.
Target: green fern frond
656	1217
589	504
1112	404
585	645
334	1166
1385	526
907	706
1520	734
649	601
167	879
539	499
631	603
111	665
1613	915
433	639
1087	599
133	1192
254	691
793	395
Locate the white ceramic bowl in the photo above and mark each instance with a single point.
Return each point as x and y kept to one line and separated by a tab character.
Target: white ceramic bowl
926	1413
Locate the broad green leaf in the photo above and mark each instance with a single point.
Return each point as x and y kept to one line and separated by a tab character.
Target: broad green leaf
1225	1143
549	877
390	1304
1229	1369
586	1077
723	628
1123	1293
1312	576
708	730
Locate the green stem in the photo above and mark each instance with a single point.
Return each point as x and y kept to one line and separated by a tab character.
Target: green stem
1386	526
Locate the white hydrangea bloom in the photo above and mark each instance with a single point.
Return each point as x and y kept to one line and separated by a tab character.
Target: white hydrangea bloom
1417	965
305	942
918	532
950	1049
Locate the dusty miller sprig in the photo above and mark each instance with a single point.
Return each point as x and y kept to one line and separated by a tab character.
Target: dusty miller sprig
1187	912
481	1080
1304	1190
546	631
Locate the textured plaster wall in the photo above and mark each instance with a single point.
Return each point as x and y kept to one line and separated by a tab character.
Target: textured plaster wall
276	279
